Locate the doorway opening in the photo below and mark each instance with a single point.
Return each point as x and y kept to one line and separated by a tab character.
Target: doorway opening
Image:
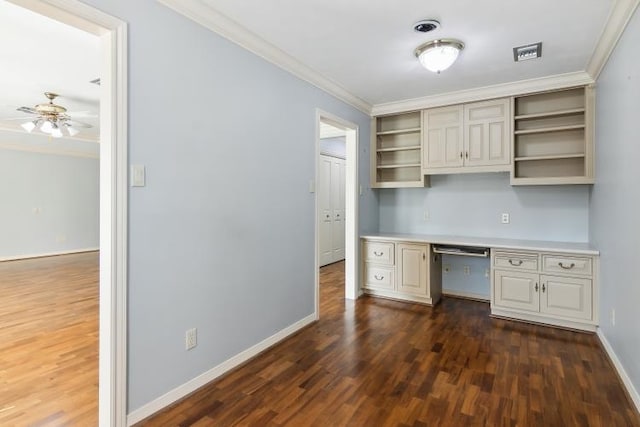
112	35
337	190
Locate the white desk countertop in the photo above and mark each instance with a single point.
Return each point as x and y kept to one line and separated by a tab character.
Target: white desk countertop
489	242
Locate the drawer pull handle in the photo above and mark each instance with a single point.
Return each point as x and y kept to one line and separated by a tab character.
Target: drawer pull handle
378	277
514	264
461	154
536	287
569	267
376	253
544	288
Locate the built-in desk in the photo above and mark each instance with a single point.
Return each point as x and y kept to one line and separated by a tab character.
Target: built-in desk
554	283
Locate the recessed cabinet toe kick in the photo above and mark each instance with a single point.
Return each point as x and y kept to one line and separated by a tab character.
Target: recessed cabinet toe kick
544	282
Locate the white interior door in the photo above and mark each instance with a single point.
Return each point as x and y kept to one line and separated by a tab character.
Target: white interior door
325	212
331	197
337	203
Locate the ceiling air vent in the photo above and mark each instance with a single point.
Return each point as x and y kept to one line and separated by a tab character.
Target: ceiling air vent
530	51
95	81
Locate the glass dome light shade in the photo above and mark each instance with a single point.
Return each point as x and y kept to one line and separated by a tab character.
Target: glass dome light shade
438	55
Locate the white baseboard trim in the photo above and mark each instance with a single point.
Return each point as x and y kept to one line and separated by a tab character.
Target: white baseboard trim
468	295
205	378
633	393
46	254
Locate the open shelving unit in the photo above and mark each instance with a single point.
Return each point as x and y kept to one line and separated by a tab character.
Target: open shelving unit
553	138
396	151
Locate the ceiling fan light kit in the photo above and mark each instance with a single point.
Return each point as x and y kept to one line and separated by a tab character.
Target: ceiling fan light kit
438	55
51	118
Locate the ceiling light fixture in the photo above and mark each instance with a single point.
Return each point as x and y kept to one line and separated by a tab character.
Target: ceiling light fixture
438	55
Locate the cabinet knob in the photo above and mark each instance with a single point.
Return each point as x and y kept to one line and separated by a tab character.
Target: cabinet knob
466	154
544	288
536	287
461	155
566	267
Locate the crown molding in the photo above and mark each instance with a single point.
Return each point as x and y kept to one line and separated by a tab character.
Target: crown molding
619	17
47	150
521	87
210	18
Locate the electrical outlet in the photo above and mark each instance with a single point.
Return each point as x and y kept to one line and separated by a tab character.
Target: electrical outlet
486	273
505	218
467	270
613	317
446	268
191	338
426	215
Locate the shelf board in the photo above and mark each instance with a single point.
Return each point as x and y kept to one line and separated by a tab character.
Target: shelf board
546	130
411	147
396	166
550	114
398	131
550	157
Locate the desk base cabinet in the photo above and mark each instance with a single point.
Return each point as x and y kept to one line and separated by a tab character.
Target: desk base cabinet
412	273
522	289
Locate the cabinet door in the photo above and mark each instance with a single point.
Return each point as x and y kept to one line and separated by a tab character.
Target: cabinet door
443	137
516	290
566	296
486	133
412	269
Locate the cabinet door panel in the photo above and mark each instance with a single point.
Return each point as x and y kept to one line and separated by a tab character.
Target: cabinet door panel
516	290
443	141
566	296
486	133
412	269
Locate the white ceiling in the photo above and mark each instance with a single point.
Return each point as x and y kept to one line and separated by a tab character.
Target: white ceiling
42	55
366	46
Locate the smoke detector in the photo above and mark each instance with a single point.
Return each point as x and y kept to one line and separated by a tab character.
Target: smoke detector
426	25
530	51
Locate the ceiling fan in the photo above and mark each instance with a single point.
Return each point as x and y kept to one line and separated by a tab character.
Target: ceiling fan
51	118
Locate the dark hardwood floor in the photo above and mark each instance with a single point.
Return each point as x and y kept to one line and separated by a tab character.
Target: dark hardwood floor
378	362
49	341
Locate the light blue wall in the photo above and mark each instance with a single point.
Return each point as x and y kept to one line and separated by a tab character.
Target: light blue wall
471	205
222	236
615	198
49	202
334	146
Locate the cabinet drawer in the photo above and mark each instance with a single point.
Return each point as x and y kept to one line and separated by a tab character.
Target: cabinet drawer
518	261
379	277
567	264
379	252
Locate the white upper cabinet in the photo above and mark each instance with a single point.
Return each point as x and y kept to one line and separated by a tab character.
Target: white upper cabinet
444	136
472	137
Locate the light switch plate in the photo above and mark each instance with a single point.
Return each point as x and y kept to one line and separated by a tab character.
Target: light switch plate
505	218
137	176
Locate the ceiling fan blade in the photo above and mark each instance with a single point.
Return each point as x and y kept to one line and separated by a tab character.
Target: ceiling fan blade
25	118
77	124
27	110
87	114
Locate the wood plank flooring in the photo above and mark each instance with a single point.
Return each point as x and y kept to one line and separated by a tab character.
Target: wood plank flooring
49	341
378	362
